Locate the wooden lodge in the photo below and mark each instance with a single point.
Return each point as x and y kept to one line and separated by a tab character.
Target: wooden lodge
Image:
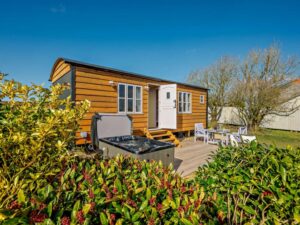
155	105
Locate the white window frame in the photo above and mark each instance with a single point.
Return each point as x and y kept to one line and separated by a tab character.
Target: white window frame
202	99
184	102
126	99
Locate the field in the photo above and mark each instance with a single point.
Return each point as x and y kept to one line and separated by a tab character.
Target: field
279	137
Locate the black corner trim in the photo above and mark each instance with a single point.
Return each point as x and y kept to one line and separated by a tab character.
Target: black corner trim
206	109
73	74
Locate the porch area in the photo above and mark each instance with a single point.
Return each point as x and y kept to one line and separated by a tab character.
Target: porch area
191	155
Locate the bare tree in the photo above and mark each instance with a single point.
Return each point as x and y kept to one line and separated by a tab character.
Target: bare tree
260	89
219	79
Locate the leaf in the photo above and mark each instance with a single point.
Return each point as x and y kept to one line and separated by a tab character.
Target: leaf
283	174
103	218
144	205
75	209
248	209
297	217
76	205
118	185
173	205
148	193
49	209
14	221
16	180
86	208
202	194
21	196
136	216
119	222
138	190
2	216
274	161
185	221
48	222
127	214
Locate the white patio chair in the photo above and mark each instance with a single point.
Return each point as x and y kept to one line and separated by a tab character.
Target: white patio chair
243	131
248	139
200	132
233	141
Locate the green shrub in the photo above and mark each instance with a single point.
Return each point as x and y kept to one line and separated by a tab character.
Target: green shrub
116	191
36	129
255	184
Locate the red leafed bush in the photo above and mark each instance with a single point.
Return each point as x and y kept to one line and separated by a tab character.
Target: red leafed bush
116	191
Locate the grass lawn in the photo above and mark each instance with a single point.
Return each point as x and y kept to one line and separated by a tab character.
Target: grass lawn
279	137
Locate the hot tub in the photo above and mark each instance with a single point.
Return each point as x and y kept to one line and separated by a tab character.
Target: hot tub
112	135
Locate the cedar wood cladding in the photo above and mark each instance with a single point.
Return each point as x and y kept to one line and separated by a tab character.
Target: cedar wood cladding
92	83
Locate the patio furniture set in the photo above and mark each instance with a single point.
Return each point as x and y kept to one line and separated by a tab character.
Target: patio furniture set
222	136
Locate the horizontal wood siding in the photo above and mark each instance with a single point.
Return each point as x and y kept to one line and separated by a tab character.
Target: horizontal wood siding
94	86
186	121
61	69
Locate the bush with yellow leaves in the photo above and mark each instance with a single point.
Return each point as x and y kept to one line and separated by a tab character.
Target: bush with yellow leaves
37	128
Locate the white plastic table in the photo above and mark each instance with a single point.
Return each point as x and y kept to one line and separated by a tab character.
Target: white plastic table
211	136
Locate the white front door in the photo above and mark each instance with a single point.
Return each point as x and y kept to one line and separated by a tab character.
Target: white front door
167	106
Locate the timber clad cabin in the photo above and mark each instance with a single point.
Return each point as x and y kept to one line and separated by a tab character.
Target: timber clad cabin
154	104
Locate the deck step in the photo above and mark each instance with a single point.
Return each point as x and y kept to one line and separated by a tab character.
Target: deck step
157	131
162	135
166	140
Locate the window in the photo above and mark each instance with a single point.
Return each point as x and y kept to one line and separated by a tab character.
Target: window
202	99
129	98
184	103
168	95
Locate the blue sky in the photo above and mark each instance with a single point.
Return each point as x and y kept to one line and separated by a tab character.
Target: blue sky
166	38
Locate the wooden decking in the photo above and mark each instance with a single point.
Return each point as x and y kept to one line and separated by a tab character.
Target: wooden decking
192	155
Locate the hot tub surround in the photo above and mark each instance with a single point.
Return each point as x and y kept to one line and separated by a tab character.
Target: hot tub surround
111	133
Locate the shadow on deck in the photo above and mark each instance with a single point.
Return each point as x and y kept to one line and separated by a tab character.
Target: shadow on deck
192	155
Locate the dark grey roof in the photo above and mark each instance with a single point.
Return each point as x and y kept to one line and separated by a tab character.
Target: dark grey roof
93	66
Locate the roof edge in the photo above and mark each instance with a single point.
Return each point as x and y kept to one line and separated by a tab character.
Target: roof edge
109	69
54	65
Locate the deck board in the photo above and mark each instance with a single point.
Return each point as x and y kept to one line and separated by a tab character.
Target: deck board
192	155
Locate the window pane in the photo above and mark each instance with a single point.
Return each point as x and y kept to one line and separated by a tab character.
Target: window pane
138	106
130	105
130	91
122	90
180	106
201	99
184	94
184	107
186	97
189	97
138	93
188	107
121	105
168	95
180	94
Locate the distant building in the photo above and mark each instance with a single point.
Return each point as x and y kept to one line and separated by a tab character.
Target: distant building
292	122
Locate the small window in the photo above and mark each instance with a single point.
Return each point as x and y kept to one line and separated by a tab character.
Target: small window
122	98
184	103
202	99
129	98
168	95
